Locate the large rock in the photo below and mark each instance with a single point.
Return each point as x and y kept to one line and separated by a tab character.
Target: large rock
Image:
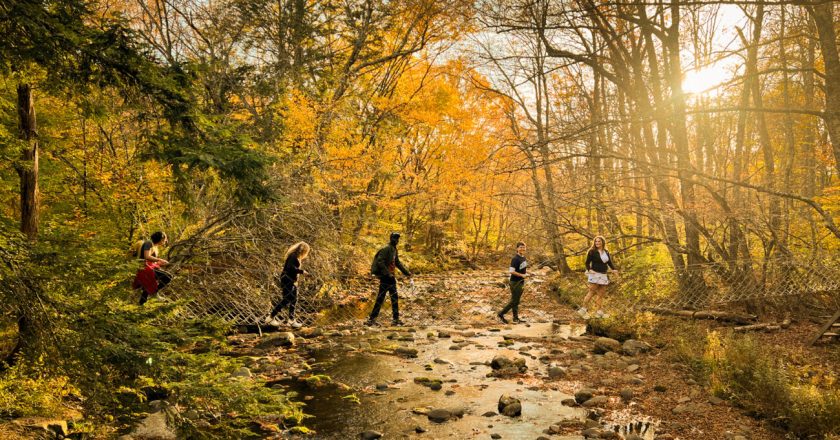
439	415
282	339
583	395
406	352
632	347
606	345
556	372
596	401
242	372
510	406
505	366
153	427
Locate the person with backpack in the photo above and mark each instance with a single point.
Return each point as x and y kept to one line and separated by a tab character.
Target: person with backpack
518	272
287	279
150	277
385	262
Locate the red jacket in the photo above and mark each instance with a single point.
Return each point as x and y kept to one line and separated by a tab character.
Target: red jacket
146	279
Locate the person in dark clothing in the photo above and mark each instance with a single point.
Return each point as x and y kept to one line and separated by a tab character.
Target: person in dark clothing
598	263
385	262
151	278
287	279
518	272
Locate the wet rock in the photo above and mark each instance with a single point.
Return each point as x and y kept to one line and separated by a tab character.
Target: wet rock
282	339
568	402
439	415
505	366
406	352
382	386
596	401
442	361
591	433
495	436
443	335
490	414
583	395
510	406
556	372
370	435
419	429
605	345
434	384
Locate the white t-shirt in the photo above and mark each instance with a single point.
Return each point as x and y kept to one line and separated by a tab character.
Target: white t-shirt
604	256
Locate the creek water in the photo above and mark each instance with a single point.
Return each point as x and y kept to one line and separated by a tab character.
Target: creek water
339	413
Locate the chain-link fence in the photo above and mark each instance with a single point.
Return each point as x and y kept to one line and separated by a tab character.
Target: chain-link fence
244	295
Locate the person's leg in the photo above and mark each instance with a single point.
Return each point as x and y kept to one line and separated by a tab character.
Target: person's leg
599	299
380	298
509	305
516	296
144	296
292	302
285	301
592	288
163	278
395	301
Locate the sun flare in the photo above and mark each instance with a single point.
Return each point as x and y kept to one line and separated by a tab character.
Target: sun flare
705	80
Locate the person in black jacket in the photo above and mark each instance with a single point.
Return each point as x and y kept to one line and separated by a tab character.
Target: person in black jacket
287	279
518	272
385	262
598	263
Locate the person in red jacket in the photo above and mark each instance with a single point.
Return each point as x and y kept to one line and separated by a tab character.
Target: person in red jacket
151	278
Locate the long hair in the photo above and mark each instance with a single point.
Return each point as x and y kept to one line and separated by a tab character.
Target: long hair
593	248
299	250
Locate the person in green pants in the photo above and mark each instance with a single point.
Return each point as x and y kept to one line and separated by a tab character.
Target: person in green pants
518	272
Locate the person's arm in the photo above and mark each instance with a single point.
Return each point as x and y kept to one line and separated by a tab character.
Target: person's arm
400	265
513	269
147	255
589	261
610	263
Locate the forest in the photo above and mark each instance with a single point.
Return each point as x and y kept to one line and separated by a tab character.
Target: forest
701	138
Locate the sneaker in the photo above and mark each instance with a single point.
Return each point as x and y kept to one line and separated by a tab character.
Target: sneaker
370	323
274	322
600	314
519	321
501	318
581	311
295	324
397	322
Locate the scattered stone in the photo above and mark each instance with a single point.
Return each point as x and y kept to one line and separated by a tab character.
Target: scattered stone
660	388
591	433
664	437
439	415
421	411
555	429
282	339
443	335
633	437
490	414
627	395
154	427
605	345
556	373
583	395
442	361
505	366
596	401
632	368
495	436
715	400
684	400
681	409
568	402
510	406
632	347
435	386
419	429
450	392
577	353
382	386
406	352
370	435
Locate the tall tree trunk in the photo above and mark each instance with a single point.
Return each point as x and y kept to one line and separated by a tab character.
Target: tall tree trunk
28	167
823	14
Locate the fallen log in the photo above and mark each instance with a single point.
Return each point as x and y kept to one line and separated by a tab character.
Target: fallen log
716	315
767	327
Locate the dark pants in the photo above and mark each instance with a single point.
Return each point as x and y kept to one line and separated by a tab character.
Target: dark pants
163	278
516	288
386	284
289	299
